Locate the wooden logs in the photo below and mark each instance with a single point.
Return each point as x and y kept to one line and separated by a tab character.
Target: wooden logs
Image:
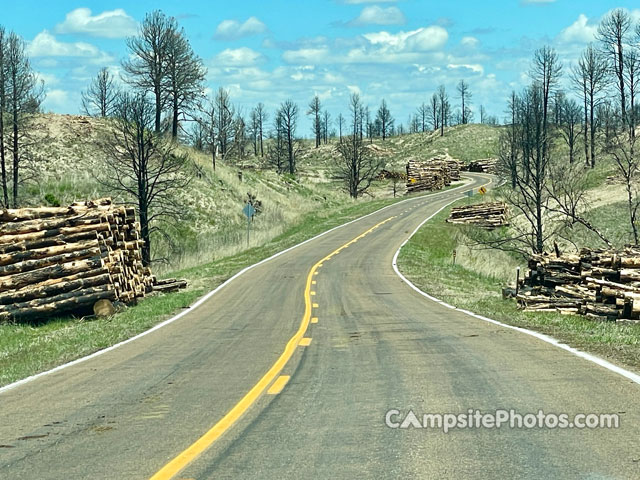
487	165
485	215
604	283
56	260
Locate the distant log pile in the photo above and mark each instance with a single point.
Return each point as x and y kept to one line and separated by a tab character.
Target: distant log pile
487	165
390	175
61	259
601	284
433	174
485	215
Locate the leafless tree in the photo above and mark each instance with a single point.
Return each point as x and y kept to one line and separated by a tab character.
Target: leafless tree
225	113
631	64
434	107
100	97
423	115
315	111
612	34
622	148
23	95
326	121
262	117
3	108
277	150
143	165
356	166
147	66
570	118
185	75
385	119
443	107
483	114
340	122
589	76
465	95
289	115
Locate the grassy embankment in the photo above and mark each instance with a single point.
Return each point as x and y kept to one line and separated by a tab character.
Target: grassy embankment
475	281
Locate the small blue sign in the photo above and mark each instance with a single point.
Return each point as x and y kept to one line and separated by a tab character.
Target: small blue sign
469	193
249	210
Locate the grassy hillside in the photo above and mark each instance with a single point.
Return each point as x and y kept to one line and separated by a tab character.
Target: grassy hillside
71	163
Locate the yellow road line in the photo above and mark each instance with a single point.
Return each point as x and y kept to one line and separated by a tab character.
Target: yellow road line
183	459
305	342
314	320
279	384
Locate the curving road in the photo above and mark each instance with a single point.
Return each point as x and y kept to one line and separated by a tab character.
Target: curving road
219	394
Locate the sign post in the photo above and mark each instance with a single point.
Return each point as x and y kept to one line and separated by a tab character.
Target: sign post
249	210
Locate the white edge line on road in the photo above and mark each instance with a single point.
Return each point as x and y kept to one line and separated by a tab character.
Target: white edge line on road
541	336
207	296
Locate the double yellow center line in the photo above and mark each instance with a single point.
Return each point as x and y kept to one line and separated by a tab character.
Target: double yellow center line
176	465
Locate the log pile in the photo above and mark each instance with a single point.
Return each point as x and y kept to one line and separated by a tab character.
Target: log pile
487	165
485	215
601	284
423	176
61	259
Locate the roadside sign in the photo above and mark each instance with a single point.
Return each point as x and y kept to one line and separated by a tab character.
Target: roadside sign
469	193
482	190
249	210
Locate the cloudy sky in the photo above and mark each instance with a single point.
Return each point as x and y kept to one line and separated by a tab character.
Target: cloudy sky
270	50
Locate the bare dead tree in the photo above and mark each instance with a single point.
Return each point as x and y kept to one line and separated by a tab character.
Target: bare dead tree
435	112
340	122
569	126
315	109
385	119
184	76
225	114
464	93
590	77
612	34
356	166
100	97
622	148
289	113
567	189
262	116
276	150
143	165
423	115
146	68
3	108
443	108
326	121
23	97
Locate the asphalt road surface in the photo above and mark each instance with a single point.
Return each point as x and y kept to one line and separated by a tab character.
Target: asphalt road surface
360	343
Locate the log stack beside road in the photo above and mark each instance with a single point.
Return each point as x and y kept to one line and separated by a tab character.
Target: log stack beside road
433	174
487	165
601	284
60	259
485	215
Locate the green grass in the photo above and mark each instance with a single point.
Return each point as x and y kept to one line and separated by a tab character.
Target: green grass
29	349
474	283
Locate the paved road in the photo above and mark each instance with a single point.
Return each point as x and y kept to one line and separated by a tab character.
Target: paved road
377	345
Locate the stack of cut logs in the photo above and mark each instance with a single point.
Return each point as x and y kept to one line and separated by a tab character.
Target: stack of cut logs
487	165
485	215
62	259
601	284
433	174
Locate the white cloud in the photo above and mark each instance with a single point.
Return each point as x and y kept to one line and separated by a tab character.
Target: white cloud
420	40
108	24
469	42
46	45
307	55
375	15
242	56
233	29
472	68
579	31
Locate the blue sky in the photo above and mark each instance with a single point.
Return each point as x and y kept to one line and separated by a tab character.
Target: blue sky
268	51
